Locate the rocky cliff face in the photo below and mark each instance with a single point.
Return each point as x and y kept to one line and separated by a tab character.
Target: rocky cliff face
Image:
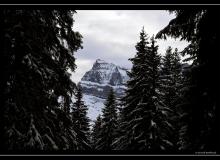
102	77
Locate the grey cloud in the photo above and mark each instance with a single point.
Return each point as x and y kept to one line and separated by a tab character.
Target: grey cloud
112	35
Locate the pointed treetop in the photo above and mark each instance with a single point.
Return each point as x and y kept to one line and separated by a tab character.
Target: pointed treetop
152	38
143	29
169	50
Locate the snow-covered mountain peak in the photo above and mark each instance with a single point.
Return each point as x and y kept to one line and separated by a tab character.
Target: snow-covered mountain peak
102	65
97	82
106	73
100	61
103	76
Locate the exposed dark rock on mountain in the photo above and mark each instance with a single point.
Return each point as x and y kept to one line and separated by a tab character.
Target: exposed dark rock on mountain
102	77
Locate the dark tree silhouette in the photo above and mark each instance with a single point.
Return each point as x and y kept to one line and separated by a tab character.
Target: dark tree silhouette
145	122
38	49
170	86
109	124
96	132
81	122
201	96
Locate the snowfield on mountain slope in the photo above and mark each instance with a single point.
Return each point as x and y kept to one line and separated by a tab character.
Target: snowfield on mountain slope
94	84
95	106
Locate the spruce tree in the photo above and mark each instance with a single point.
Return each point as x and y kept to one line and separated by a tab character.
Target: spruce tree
171	83
38	49
171	78
120	127
109	124
200	106
96	132
167	83
133	93
144	115
81	121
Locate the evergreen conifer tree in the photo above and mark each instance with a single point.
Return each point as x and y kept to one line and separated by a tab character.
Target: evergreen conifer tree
38	49
96	132
109	124
144	115
200	107
170	82
81	121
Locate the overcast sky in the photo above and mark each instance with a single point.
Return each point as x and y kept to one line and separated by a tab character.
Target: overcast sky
111	35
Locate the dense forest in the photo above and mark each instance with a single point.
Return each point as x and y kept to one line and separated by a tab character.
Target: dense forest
170	106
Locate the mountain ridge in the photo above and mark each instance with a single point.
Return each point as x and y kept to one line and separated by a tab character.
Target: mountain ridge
97	82
102	77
